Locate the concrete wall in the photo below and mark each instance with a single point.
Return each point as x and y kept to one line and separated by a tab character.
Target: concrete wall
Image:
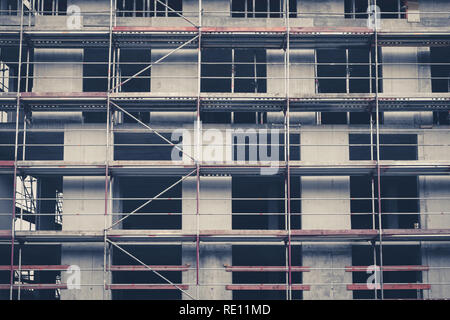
314	216
170	76
435	215
214	215
83	210
65	76
403	74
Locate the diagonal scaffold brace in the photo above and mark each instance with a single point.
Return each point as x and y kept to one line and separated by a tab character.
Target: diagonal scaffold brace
152	199
176	12
148	267
154	63
154	131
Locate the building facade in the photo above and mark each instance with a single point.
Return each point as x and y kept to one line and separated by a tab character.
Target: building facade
224	149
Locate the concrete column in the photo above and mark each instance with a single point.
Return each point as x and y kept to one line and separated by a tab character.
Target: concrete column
185	81
171	76
435	254
301	81
214	215
217	8
333	7
326	255
65	76
402	69
84	196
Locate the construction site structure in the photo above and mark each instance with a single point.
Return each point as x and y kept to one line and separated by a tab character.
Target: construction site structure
224	149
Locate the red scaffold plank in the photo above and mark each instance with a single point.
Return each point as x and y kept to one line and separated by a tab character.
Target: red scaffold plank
42	286
63	95
271	287
243	29
144	268
5	163
154	29
146	287
5	234
265	268
37	267
390	286
387	268
306	30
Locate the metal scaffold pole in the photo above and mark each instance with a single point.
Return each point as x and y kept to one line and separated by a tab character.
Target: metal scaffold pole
287	148
16	150
198	148
377	110
107	149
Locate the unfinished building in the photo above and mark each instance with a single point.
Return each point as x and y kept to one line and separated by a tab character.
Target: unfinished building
224	149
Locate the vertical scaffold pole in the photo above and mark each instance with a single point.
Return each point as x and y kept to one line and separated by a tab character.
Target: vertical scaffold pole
13	231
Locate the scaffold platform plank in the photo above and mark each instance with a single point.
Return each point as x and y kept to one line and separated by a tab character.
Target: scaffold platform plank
223	102
155	236
180	168
271	287
261	37
390	286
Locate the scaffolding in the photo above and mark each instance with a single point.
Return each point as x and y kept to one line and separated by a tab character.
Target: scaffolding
115	103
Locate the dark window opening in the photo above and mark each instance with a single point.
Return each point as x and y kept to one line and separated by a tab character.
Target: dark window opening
356	9
399	203
150	255
246	255
393	255
333	118
294	147
142	146
234	70
346	71
245	117
364	117
440	79
32	255
215	117
9	70
44	146
258	203
149	8
95	70
131	62
392	147
262	8
95	79
161	213
51	7
331	71
4	77
39	146
49	204
392	9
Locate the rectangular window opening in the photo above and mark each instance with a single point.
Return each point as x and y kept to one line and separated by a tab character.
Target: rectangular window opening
150	255
234	70
149	8
262	8
260	256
